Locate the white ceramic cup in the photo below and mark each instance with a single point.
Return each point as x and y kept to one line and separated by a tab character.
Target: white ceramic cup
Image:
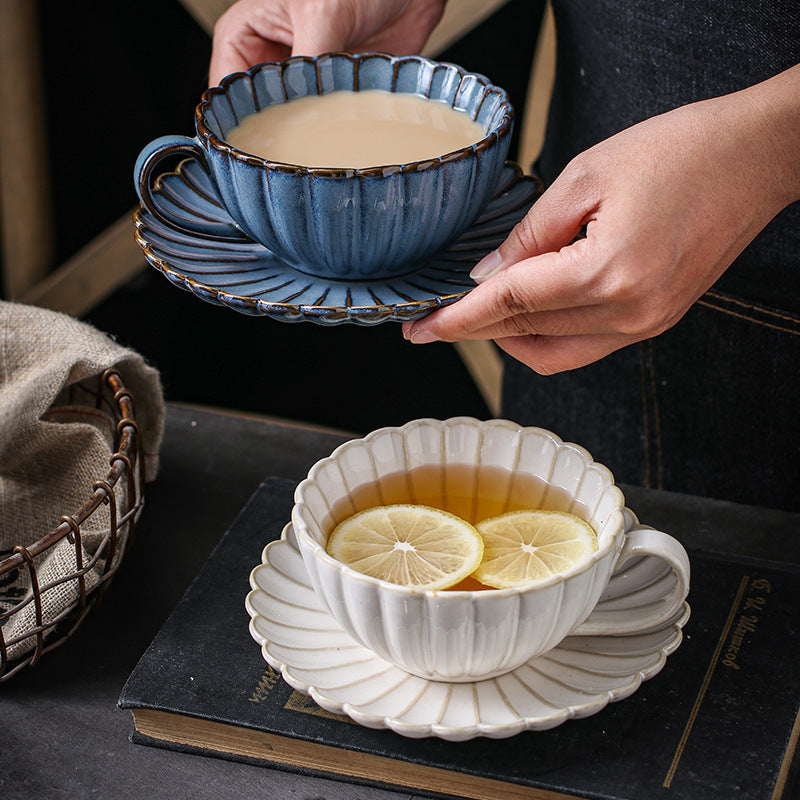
474	635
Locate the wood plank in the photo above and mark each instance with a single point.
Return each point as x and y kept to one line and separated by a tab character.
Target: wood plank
482	358
27	231
540	87
485	365
460	17
92	274
206	12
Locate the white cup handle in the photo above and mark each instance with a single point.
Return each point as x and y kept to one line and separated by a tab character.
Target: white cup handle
642	541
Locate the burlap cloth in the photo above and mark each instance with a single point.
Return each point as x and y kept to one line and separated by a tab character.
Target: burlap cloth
54	444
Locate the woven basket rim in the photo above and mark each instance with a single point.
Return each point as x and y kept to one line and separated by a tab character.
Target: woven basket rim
126	462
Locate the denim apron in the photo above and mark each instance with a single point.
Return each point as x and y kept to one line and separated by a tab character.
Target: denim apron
712	406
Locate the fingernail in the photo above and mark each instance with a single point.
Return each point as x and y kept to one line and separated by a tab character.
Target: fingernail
422	337
487	266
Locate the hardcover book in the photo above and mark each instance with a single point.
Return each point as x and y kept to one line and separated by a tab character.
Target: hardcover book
720	720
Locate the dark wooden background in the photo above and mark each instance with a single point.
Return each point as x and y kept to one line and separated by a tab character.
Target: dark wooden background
118	75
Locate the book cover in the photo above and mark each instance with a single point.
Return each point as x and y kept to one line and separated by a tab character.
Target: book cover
720	720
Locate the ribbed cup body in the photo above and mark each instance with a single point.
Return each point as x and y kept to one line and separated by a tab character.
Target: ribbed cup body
361	223
460	635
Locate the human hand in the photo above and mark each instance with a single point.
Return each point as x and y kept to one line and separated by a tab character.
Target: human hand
254	31
667	206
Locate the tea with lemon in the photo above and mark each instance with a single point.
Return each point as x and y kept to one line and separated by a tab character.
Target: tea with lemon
472	493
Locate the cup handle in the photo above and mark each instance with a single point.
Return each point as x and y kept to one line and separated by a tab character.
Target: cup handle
147	161
643	541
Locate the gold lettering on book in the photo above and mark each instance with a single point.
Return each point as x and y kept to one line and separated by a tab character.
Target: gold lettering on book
300	702
264	686
754	604
737	602
296	702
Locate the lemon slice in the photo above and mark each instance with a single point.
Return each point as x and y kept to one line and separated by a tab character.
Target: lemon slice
410	545
526	546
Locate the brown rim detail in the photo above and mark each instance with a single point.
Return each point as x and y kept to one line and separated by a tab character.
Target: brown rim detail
213	141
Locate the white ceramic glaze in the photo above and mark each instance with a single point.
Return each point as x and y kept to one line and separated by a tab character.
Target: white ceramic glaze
577	678
469	636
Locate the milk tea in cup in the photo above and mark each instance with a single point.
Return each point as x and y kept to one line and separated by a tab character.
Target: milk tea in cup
355	130
345	223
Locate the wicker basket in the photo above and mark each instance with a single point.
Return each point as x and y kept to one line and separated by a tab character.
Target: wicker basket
120	493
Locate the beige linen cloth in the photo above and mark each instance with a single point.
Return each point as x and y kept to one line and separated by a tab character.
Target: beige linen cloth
54	444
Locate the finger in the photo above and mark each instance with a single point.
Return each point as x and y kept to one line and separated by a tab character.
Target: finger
316	39
315	34
228	57
225	59
554	221
246	35
578	321
548	355
549	282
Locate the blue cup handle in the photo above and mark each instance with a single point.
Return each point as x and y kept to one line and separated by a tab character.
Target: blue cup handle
149	159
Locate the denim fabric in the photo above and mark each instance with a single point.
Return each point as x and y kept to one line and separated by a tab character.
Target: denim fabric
622	61
711	406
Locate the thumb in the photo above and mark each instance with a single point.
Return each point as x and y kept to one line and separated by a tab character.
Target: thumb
554	220
315	34
316	42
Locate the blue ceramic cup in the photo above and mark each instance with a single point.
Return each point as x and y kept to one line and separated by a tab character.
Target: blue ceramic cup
349	224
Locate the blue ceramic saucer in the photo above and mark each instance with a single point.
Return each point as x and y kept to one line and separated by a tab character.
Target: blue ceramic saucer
219	264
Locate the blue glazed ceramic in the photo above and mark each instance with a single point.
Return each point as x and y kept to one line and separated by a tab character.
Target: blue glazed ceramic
346	224
216	262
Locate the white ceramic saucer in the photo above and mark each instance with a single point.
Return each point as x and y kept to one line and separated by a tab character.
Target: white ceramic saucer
221	265
299	637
